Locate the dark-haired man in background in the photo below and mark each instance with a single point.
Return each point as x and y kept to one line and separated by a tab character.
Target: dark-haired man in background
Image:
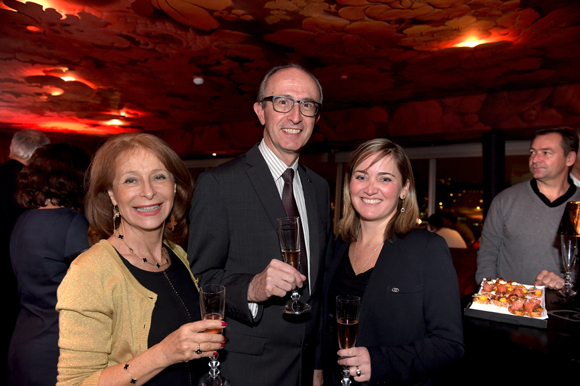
519	240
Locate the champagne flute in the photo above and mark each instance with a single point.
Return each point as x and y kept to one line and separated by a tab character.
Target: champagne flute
569	249
213	303
347	315
289	231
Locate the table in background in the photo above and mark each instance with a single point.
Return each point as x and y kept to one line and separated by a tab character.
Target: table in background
519	355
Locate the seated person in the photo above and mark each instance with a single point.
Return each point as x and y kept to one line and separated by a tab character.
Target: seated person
452	237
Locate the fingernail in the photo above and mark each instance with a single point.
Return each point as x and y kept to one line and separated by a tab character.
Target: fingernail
223	344
215	353
225	339
224	324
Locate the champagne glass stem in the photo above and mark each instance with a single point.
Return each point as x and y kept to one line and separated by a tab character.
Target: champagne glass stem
345	376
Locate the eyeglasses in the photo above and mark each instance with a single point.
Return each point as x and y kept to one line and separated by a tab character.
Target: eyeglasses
284	104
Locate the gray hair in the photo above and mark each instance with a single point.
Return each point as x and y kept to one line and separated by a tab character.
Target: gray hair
262	88
25	142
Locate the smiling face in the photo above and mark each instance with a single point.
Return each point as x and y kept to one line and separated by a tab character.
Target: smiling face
286	133
548	163
143	190
375	189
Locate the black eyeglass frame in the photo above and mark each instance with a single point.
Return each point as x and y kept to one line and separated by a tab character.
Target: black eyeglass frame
273	97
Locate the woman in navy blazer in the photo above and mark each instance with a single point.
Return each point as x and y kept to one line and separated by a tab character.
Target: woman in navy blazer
410	320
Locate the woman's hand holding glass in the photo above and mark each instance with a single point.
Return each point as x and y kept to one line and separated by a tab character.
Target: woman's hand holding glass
356	358
185	343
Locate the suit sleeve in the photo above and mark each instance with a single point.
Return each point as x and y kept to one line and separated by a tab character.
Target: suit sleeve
443	321
492	239
208	246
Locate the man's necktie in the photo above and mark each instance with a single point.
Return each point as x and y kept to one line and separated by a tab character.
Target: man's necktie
292	211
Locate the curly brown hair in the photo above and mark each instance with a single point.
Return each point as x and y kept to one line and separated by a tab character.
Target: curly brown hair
55	173
98	205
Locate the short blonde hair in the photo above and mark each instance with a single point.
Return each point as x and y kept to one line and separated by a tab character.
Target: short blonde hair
402	222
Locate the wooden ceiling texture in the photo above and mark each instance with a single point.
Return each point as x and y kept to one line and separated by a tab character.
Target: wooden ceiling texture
418	71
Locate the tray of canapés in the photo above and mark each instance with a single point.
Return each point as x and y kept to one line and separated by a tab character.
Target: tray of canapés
508	298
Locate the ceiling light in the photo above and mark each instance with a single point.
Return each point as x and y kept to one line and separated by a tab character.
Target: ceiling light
197	80
114	122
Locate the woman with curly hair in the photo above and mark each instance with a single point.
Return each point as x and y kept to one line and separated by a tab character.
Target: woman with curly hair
45	239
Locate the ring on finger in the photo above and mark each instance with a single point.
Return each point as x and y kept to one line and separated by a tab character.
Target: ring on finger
198	351
358	373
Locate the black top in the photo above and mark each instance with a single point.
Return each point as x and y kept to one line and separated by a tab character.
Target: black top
344	282
177	304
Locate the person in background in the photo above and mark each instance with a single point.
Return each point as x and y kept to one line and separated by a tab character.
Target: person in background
410	324
129	306
519	241
46	238
22	145
452	237
234	241
451	222
575	169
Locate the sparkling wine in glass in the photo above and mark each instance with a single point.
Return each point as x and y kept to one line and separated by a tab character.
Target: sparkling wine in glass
289	232
212	299
347	316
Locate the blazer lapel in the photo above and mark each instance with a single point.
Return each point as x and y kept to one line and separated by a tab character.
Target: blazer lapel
261	179
311	208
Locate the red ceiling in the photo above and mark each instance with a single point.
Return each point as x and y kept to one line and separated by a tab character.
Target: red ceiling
388	68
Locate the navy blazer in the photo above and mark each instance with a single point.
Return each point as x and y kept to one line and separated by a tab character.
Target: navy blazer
410	317
233	237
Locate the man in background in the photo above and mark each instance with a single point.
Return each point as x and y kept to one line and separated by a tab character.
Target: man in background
23	144
575	170
234	241
519	240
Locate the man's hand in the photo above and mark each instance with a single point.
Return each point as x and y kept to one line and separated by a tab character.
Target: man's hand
549	279
276	280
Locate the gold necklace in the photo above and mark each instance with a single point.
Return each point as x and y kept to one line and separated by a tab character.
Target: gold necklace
369	258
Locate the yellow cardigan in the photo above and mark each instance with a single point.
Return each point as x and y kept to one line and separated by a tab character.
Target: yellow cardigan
104	314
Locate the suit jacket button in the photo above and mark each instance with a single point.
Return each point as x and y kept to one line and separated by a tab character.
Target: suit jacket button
395	290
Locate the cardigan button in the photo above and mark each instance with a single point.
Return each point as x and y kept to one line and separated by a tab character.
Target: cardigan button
395	290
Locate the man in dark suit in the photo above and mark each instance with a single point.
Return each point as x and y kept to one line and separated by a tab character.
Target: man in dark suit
233	238
23	144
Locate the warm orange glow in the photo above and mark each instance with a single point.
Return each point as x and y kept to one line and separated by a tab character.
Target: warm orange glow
114	122
470	43
33	28
67	125
81	127
474	39
72	78
55	91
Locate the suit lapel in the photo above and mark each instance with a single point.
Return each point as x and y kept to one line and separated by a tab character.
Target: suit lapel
261	179
311	208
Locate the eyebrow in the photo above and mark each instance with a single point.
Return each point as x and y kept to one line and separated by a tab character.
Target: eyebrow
542	148
380	173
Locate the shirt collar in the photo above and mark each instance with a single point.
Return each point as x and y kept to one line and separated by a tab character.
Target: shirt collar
276	165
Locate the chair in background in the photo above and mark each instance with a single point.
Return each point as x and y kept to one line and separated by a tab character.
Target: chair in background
465	263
